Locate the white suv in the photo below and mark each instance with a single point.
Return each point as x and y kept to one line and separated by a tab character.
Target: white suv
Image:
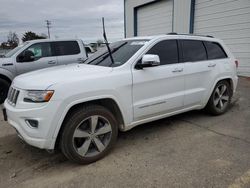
80	108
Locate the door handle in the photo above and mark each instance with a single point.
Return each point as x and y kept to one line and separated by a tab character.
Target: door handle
212	65
7	64
177	70
52	62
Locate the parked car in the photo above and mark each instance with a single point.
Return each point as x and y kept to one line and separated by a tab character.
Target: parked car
38	54
80	108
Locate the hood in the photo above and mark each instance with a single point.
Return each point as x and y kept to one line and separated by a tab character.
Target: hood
44	78
5	60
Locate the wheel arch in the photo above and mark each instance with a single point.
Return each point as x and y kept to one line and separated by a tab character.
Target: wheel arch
4	77
228	79
108	103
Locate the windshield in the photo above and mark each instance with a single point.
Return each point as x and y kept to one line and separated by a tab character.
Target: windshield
12	52
121	51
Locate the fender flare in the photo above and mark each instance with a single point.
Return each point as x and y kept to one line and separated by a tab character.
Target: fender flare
70	105
213	86
6	74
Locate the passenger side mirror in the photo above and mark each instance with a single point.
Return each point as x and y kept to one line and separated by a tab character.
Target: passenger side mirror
26	56
149	60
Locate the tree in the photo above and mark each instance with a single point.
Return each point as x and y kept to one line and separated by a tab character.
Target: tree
13	40
29	35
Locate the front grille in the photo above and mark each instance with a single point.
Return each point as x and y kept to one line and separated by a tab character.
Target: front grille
12	96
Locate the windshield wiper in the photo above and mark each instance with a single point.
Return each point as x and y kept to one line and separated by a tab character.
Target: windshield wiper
115	49
105	55
94	58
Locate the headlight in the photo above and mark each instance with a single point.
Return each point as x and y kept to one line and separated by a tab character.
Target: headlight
38	96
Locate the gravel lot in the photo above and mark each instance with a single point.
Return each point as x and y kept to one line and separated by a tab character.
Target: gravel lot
188	150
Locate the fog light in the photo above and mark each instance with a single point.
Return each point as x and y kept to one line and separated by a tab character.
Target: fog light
32	123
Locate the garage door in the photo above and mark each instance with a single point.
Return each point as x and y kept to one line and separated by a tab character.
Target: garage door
228	20
155	18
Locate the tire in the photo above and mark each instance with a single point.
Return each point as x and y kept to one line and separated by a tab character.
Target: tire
88	134
220	99
4	88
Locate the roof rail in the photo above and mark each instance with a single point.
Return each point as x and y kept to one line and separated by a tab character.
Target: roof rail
173	33
209	36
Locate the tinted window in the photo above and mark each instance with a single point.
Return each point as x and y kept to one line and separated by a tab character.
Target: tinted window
37	50
167	51
41	50
121	51
67	48
193	50
214	50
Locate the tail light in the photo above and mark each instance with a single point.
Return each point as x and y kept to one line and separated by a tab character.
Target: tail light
236	63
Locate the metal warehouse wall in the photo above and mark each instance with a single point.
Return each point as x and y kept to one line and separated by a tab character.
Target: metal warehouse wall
228	20
181	15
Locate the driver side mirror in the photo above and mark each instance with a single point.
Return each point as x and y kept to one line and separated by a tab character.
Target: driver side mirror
149	60
26	56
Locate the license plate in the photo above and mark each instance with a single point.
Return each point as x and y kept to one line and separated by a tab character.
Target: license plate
5	115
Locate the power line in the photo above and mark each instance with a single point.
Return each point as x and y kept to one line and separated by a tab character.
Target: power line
48	25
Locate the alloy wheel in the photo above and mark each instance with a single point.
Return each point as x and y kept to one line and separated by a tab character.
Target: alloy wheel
221	97
92	136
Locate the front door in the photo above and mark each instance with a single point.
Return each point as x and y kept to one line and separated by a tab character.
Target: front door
42	57
159	90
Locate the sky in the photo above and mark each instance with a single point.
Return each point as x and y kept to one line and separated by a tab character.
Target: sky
70	18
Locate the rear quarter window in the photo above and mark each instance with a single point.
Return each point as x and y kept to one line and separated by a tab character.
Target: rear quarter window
214	50
66	48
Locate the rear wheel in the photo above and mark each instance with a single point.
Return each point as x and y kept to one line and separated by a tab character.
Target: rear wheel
220	98
88	134
4	87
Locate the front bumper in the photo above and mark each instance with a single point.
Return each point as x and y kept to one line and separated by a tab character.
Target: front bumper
42	136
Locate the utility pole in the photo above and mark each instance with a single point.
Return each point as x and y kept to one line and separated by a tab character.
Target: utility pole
48	26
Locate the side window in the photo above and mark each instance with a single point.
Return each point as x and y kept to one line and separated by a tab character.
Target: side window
214	50
35	52
167	50
67	48
193	50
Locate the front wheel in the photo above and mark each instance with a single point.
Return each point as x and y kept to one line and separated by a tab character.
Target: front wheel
4	88
220	98
89	134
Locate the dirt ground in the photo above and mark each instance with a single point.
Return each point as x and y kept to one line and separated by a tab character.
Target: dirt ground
188	150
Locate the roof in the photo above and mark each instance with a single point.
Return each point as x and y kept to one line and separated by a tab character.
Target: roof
174	36
51	40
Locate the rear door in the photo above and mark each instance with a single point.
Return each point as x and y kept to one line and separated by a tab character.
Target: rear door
68	52
199	71
43	58
159	90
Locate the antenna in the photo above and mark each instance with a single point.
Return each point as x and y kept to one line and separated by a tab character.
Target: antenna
106	41
48	25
